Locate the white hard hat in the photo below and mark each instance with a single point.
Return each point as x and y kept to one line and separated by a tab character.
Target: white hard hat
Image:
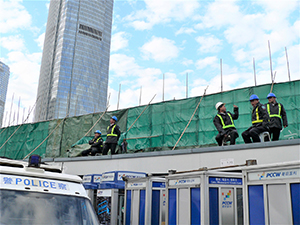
219	104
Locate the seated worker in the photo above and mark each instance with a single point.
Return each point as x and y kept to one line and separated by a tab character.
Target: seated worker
260	121
96	145
113	135
223	121
277	113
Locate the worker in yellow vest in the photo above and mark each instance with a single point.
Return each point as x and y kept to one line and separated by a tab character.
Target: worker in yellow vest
113	135
260	121
277	115
223	121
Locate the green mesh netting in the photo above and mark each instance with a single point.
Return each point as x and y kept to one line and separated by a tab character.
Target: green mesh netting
158	128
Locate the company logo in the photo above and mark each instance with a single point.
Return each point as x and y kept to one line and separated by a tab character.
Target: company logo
226	203
227	195
261	176
184	181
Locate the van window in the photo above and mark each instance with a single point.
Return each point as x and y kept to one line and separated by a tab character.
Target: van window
33	208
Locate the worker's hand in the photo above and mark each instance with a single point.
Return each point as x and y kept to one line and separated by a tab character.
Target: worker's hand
234	106
225	135
285	126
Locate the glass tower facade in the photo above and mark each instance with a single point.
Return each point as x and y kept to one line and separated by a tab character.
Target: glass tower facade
4	77
75	63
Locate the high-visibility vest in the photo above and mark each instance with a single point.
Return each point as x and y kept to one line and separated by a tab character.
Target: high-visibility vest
222	121
274	115
99	138
112	131
257	117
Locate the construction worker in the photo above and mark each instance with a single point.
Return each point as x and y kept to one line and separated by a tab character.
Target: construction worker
223	121
277	113
96	145
260	121
113	135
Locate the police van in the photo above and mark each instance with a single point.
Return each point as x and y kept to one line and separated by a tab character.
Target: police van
36	194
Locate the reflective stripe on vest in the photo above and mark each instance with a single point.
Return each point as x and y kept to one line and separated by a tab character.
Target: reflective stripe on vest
274	115
99	138
112	132
223	124
257	117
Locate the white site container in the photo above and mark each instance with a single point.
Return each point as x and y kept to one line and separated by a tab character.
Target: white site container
272	193
145	201
204	197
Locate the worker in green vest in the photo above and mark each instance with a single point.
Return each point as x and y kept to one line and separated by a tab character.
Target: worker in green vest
277	115
223	121
260	121
113	135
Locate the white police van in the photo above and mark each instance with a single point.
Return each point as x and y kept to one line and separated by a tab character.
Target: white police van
36	194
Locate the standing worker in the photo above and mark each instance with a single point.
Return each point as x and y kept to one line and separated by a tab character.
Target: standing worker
260	121
223	121
96	145
277	113
113	135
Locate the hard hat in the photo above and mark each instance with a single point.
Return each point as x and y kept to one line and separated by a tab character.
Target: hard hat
98	132
114	118
271	95
219	104
253	97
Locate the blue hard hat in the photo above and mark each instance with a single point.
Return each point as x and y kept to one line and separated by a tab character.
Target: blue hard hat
271	95
253	97
114	118
98	132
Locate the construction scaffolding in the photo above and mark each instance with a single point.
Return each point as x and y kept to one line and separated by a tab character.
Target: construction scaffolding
158	127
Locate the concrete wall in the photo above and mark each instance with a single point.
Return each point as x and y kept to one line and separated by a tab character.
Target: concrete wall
183	160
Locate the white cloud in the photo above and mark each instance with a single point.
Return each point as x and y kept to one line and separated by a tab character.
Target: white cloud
118	41
187	62
208	61
209	43
13	42
160	49
40	40
13	16
162	11
24	69
185	30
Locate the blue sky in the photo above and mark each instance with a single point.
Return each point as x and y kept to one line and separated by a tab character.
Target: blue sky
171	37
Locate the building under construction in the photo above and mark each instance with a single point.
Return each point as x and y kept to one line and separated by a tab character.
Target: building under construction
148	128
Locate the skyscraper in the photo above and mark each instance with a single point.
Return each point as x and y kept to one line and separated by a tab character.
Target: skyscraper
75	62
4	76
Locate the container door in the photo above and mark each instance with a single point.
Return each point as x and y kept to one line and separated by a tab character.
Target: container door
155	211
183	206
128	207
227	206
256	204
172	209
295	197
195	206
142	207
278	202
213	206
135	207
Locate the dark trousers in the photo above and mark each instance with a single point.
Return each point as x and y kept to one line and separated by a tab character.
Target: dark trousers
111	146
275	133
253	132
233	135
90	151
